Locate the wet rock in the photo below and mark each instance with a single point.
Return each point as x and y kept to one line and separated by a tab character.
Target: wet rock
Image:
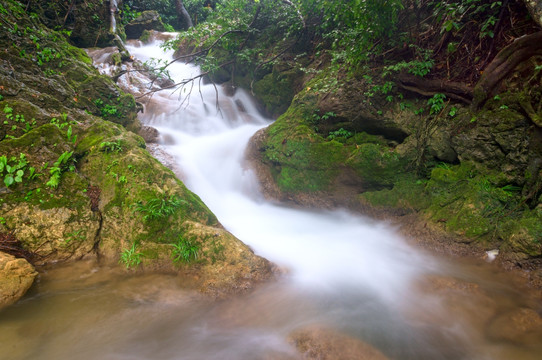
522	326
498	139
149	134
148	20
350	104
16	277
461	299
326	344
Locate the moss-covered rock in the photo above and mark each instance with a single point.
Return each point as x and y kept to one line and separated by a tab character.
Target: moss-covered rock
277	89
76	183
148	20
86	21
477	175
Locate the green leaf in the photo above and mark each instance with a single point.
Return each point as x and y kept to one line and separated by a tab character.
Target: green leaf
19	176
8	180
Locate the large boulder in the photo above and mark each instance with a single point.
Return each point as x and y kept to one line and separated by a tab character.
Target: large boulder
148	20
81	184
16	277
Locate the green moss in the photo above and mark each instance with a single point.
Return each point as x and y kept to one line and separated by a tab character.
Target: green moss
472	200
524	234
408	192
376	164
276	90
97	133
303	160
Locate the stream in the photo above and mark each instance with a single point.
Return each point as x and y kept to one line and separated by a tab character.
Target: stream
343	271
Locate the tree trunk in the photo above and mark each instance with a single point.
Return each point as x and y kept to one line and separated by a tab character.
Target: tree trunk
504	63
183	15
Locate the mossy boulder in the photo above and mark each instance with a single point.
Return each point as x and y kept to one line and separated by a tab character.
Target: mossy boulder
310	168
86	21
148	20
277	89
499	139
76	183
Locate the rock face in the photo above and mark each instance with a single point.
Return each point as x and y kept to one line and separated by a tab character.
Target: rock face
148	20
87	21
16	277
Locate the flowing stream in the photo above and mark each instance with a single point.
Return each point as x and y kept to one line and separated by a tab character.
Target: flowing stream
343	272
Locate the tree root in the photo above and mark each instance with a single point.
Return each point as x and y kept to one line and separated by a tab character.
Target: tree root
503	64
429	87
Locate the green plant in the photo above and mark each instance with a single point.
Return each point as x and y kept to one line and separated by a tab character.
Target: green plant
130	258
71	138
341	133
127	14
316	118
421	66
185	250
111	146
106	110
13	168
159	208
58	167
58	123
436	103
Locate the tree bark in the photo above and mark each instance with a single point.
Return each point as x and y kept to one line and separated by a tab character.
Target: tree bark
183	15
430	87
504	63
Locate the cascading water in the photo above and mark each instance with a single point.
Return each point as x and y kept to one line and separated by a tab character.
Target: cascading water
342	271
324	250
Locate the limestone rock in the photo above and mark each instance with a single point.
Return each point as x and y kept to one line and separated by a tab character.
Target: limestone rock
16	277
498	139
148	20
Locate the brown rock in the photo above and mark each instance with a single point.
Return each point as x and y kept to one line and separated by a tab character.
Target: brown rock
322	344
522	326
149	134
16	277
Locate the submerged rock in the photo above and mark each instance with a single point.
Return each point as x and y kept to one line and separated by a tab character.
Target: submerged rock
324	344
521	326
16	277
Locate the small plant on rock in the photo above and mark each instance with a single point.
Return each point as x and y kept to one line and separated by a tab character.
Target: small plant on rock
159	208
130	257
185	250
111	146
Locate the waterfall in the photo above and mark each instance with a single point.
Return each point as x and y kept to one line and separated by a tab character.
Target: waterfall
112	12
342	271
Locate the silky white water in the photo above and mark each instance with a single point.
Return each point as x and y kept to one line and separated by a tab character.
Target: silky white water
325	251
342	271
